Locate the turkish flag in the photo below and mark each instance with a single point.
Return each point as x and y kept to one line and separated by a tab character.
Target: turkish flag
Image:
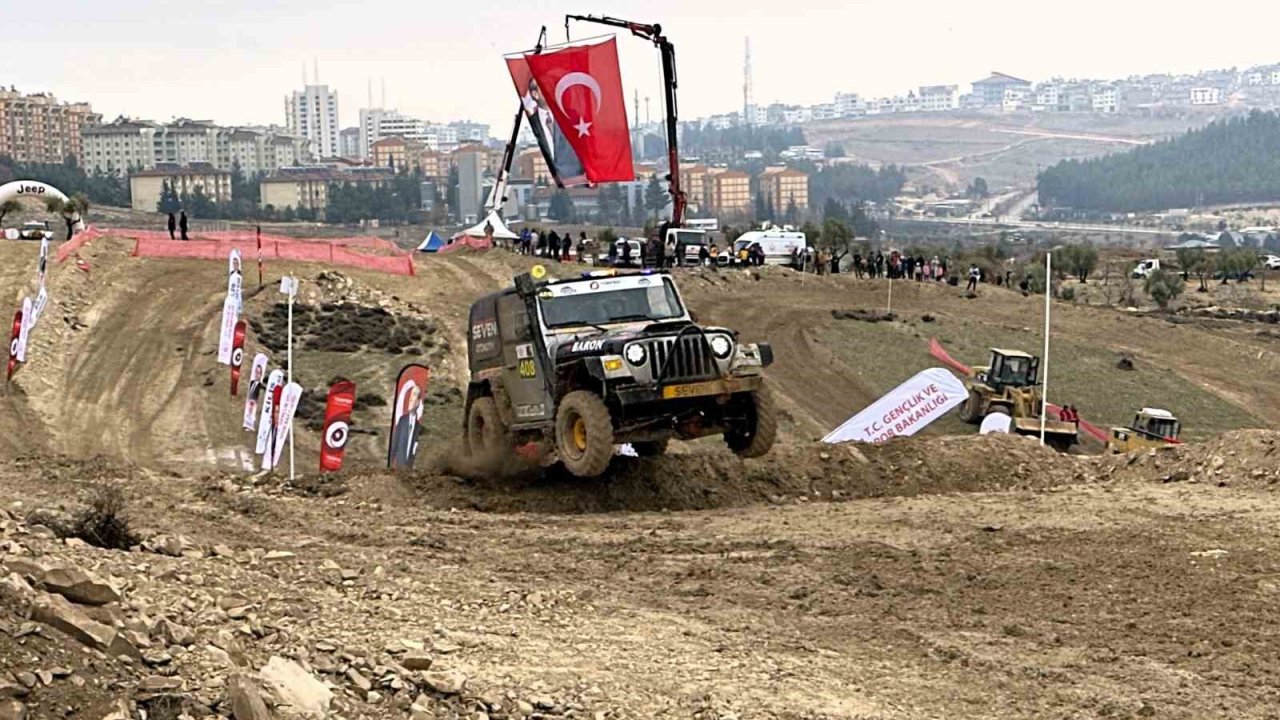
582	86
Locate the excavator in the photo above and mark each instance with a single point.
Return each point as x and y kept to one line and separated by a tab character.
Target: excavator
1151	428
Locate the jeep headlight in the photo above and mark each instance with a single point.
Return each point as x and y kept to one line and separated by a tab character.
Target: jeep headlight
636	354
721	347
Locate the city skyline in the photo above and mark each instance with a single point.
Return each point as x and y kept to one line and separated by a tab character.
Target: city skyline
233	63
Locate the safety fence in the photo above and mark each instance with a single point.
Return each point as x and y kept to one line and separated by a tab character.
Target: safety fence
471	243
217	245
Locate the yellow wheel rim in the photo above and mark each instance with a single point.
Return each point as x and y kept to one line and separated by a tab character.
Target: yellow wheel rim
580	435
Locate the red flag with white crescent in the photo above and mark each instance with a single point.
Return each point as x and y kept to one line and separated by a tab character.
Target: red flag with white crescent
337	422
237	357
13	343
582	86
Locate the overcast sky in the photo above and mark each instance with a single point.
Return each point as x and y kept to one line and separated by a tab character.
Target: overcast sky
233	61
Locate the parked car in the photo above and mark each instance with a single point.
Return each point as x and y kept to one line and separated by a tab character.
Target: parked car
1271	262
35	230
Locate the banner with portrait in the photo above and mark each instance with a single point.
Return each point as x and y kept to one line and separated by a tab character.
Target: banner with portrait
406	415
24	332
274	381
257	376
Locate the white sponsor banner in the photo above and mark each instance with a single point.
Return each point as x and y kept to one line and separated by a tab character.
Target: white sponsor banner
288	406
226	339
233	261
264	423
25	331
42	299
234	282
996	422
904	410
257	382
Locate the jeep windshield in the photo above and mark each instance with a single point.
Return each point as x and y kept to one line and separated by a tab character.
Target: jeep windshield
606	301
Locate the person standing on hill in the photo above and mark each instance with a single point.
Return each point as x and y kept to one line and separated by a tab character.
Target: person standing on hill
182	224
974	274
173	226
552	249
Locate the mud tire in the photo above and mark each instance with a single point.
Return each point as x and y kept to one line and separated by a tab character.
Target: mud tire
756	438
590	458
970	411
487	437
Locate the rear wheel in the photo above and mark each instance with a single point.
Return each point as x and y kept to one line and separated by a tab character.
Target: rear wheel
650	448
754	434
486	435
584	434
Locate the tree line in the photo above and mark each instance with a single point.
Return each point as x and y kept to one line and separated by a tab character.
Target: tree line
1228	161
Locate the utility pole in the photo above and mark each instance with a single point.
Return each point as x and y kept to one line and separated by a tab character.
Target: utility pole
747	113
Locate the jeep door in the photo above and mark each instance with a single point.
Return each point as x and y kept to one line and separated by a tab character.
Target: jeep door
524	371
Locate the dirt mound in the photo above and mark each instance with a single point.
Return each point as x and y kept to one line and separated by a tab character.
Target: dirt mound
349	327
714	478
1245	458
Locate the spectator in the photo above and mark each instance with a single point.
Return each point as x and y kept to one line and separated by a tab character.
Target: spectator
182	224
974	274
173	226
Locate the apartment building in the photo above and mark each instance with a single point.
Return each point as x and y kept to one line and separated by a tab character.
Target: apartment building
939	98
530	165
782	186
145	186
349	143
312	113
1206	96
37	128
308	188
727	192
396	152
125	145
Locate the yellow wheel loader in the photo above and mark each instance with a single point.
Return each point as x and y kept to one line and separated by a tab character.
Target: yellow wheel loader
1009	384
1151	427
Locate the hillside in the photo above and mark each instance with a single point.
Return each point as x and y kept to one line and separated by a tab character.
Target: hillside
949	150
1229	161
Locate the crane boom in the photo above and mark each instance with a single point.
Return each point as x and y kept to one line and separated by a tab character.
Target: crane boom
653	33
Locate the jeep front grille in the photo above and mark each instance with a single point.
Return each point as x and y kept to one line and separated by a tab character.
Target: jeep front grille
680	361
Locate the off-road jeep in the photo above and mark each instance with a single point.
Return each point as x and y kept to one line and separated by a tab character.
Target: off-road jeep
577	366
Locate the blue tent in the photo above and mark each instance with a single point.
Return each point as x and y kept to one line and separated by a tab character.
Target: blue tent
433	243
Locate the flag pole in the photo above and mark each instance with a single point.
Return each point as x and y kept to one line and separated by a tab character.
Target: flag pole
293	292
1044	377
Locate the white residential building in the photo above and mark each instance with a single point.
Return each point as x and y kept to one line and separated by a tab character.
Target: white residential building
1015	98
126	145
1275	77
349	142
848	104
378	123
1048	96
471	131
1254	78
826	111
1105	99
1204	96
796	116
939	98
312	113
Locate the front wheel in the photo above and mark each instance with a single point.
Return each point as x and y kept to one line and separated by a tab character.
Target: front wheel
753	435
584	434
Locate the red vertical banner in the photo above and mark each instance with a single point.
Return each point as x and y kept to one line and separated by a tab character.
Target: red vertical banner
337	422
276	394
13	343
406	415
237	357
259	257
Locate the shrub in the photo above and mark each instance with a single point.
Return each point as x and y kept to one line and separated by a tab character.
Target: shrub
1163	287
102	522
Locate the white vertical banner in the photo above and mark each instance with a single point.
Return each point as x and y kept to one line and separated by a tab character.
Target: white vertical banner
226	338
234	282
275	380
42	299
25	331
904	410
257	382
288	406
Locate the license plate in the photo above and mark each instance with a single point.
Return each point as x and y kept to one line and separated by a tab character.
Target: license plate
713	387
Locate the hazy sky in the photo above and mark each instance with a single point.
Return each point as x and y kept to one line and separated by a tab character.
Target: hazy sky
233	61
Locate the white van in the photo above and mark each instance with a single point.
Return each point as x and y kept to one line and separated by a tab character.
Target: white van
1146	267
779	245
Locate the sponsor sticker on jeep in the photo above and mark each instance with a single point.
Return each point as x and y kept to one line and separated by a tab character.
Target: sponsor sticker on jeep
583	346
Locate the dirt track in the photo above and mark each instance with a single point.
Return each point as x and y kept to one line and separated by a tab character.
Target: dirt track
931	577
